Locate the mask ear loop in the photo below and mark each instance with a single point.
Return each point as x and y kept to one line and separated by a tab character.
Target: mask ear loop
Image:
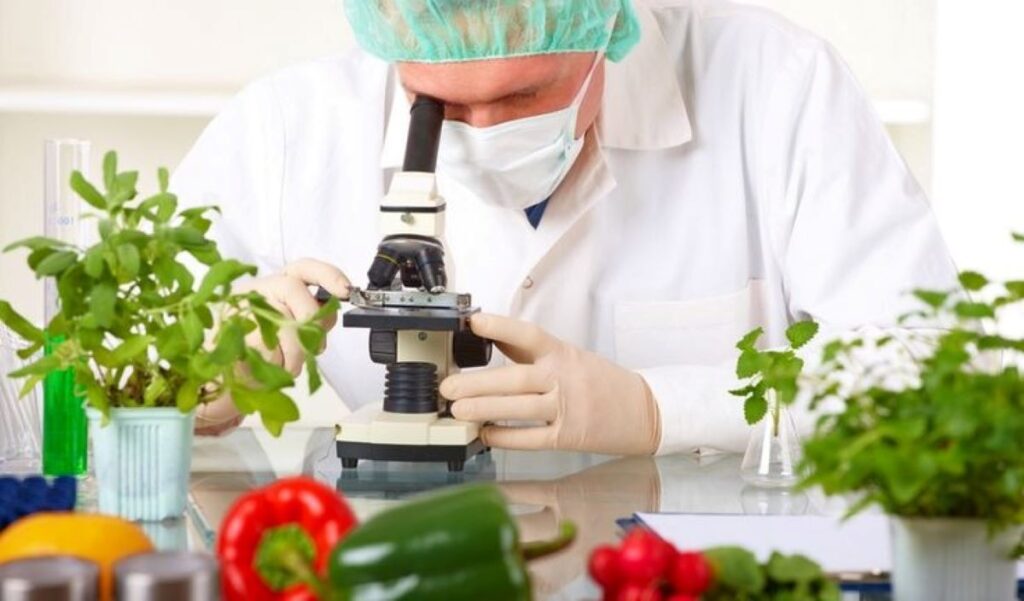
577	102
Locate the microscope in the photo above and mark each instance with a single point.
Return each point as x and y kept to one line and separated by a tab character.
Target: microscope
418	329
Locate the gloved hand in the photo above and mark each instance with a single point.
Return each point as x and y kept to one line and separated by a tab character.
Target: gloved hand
289	293
585	402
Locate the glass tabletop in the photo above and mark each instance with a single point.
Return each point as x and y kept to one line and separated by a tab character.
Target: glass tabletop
543	488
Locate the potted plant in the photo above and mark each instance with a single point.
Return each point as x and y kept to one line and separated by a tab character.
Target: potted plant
148	341
773	378
934	435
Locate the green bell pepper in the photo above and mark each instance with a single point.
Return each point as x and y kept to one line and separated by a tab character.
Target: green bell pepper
461	543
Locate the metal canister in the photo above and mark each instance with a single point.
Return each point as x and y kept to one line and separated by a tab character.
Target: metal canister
49	579
170	576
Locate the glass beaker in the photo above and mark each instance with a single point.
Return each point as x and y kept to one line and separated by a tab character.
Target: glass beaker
65	428
20	436
774	450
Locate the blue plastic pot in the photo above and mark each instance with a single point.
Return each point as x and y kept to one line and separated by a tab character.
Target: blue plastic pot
142	459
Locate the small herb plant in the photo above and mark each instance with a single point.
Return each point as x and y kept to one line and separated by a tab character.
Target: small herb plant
772	372
136	327
739	575
939	433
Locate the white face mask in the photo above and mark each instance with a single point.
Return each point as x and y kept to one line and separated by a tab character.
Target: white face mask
518	163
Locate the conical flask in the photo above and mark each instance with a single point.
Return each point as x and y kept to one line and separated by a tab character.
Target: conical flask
774	450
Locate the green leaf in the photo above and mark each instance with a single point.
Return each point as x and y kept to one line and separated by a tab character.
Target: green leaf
973	310
102	301
30	351
131	349
1018	237
19	325
192	326
973	281
736	569
275	408
124	187
749	364
94	262
164	178
754	409
932	298
207	254
128	258
105	228
188	396
38	256
230	344
268	332
221	275
199	212
269	375
95	395
56	263
37	243
1015	288
187	236
87	191
205	316
42	367
800	333
162	205
202	368
30	385
171	342
156	389
793	569
747	342
313	373
110	170
329	309
311	338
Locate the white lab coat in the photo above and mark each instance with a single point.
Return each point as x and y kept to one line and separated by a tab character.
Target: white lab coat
738	176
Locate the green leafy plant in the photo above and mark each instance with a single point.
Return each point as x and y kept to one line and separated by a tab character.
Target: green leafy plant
136	326
739	575
772	372
939	430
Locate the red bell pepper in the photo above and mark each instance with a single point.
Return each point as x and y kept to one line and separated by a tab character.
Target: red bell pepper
301	509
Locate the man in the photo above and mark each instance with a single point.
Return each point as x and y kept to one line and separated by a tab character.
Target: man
630	188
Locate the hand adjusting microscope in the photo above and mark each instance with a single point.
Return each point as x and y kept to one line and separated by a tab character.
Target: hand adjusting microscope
418	329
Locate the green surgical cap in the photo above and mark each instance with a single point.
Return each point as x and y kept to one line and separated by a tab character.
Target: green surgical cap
442	31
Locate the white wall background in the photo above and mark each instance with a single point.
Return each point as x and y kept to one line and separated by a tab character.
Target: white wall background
144	76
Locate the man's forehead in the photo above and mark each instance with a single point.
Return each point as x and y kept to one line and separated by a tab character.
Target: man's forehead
476	82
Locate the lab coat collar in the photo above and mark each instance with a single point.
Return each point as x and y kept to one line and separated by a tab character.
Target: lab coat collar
642	108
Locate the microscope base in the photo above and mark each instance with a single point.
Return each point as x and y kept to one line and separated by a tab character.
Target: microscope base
370	433
455	456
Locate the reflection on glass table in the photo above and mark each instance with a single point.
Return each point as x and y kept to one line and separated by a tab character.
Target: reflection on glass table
544	487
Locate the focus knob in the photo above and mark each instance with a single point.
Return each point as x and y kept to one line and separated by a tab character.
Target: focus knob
471	350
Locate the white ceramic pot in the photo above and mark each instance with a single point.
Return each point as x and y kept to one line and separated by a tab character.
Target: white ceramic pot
142	459
952	560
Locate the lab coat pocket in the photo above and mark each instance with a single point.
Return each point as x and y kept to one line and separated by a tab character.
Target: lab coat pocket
702	331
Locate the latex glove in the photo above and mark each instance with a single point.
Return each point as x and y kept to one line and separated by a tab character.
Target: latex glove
289	293
583	401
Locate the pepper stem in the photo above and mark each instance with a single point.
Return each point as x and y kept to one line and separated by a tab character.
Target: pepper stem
543	548
285	558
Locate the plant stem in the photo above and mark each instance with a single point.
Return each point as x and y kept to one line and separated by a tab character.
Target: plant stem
776	414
